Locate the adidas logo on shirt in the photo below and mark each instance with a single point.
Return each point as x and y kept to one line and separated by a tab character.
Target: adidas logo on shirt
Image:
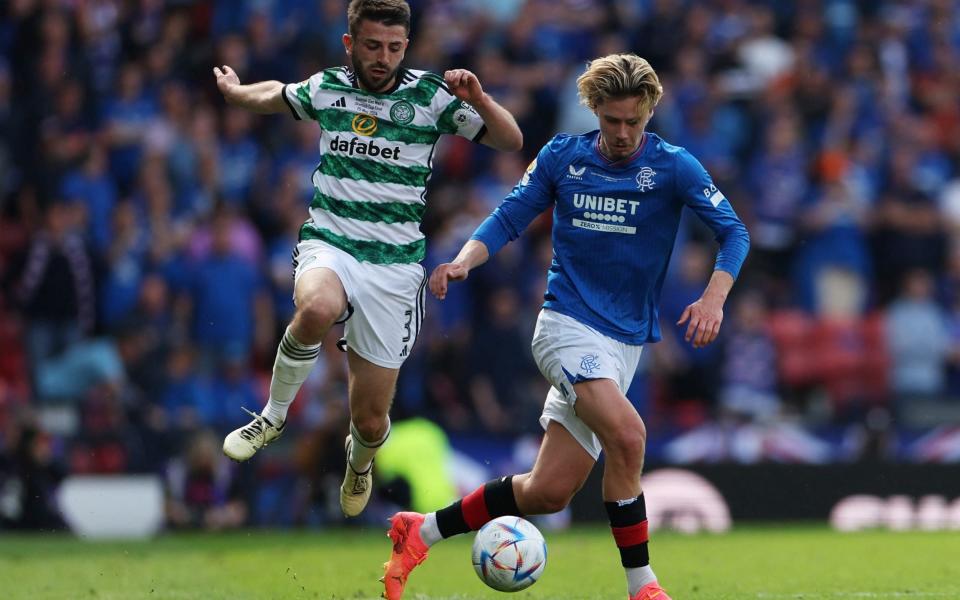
341	103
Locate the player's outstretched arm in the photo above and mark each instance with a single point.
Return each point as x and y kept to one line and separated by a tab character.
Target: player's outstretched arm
265	97
473	254
503	133
706	314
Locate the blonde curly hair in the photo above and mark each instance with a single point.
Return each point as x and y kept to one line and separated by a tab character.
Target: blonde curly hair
620	76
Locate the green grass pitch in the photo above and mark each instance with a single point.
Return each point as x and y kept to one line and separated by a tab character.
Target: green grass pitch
772	563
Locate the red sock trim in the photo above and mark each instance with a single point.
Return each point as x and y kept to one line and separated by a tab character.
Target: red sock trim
632	535
474	507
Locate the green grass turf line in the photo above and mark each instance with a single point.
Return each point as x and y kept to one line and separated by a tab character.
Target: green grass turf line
762	563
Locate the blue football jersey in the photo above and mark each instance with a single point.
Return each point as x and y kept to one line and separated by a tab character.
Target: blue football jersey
614	226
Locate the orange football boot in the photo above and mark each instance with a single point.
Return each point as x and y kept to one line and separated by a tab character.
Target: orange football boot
651	591
408	552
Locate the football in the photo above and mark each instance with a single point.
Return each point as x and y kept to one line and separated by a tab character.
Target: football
509	554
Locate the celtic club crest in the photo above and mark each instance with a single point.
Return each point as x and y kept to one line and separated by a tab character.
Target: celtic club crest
401	112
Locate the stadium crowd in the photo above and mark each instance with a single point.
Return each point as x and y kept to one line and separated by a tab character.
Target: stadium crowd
146	231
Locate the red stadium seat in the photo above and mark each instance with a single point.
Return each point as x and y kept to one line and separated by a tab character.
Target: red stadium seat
845	357
791	331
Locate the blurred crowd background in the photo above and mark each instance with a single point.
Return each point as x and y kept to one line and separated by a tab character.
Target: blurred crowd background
146	231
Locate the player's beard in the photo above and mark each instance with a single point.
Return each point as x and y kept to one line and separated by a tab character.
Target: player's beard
365	81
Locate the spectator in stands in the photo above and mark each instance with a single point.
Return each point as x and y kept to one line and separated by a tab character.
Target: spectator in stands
68	132
749	385
180	395
919	341
239	157
231	385
910	228
833	266
227	296
203	488
93	187
503	377
124	262
126	117
30	470
689	375
778	184
54	286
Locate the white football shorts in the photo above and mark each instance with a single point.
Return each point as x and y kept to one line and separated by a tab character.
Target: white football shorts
568	352
385	302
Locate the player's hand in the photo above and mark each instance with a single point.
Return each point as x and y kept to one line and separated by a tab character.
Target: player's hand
704	317
464	85
226	80
443	275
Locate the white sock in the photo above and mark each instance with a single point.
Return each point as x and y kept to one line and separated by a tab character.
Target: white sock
637	577
362	451
429	530
292	366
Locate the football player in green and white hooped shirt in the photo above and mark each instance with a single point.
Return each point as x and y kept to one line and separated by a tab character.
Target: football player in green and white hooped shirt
359	252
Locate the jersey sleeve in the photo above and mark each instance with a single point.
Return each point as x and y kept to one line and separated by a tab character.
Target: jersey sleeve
530	197
456	116
696	188
301	97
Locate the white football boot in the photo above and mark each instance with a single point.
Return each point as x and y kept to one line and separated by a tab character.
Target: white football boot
241	444
356	488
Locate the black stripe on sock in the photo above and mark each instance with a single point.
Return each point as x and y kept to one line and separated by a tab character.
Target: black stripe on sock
628	514
450	520
635	556
359	439
299	357
301	353
498	495
291	349
296	345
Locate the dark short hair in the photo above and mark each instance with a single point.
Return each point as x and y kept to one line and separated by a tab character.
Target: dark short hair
388	12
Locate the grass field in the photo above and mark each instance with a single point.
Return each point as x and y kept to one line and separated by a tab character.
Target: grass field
761	563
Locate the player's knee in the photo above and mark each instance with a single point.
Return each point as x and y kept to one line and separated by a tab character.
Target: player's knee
318	312
371	426
628	444
547	499
556	499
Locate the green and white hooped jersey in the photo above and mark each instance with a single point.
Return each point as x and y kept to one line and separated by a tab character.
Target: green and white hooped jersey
376	155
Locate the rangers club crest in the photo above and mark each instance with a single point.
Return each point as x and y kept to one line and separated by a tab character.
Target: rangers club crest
645	179
589	363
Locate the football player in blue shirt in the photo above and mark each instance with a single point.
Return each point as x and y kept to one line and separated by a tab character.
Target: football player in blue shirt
617	195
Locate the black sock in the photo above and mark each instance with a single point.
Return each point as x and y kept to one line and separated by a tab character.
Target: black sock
628	522
489	501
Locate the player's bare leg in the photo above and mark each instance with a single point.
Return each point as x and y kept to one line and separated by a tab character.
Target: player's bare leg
561	468
371	390
320	300
604	408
